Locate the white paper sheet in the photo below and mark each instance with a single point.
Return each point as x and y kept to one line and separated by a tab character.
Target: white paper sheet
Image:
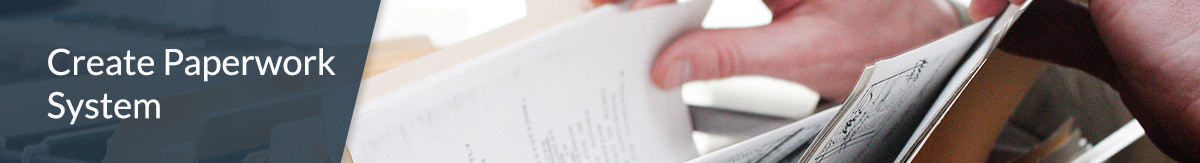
578	92
773	146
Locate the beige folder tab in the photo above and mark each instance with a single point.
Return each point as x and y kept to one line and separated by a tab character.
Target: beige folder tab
387	54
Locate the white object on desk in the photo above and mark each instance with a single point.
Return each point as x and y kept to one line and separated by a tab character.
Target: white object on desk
753	94
1114	143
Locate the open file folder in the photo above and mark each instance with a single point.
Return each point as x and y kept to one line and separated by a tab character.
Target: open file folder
469	111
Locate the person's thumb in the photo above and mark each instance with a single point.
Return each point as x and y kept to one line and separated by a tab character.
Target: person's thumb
711	54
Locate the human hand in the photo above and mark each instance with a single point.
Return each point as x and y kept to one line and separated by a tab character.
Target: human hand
1148	50
823	44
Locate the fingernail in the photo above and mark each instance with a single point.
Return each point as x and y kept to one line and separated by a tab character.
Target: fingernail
681	73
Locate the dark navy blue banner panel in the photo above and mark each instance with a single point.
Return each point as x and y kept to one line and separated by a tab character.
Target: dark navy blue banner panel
180	80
